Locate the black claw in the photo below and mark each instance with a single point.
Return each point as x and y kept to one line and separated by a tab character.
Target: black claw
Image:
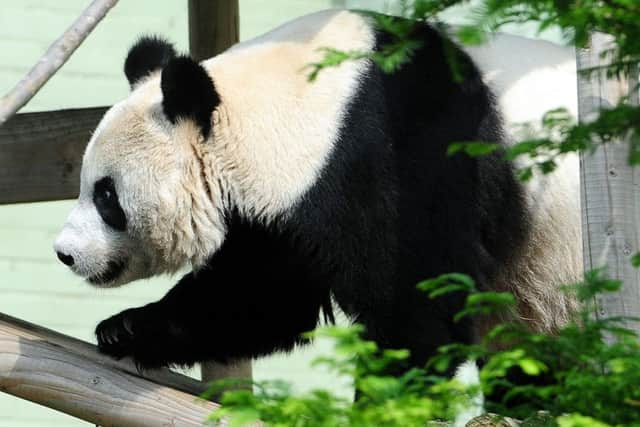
140	367
135	333
126	322
114	338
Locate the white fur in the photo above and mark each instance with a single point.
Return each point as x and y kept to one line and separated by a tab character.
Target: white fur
529	78
272	135
275	130
468	375
171	217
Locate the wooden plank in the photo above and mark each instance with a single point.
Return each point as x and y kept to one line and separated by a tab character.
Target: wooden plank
610	191
41	154
71	376
213	27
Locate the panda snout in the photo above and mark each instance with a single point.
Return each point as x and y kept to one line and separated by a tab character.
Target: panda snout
65	259
65	251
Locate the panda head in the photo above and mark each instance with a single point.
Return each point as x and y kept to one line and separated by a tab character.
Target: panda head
243	132
147	204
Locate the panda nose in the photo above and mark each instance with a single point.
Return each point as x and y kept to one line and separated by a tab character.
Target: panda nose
66	259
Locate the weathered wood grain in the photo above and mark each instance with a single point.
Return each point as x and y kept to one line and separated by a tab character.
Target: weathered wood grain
41	154
610	191
71	376
213	27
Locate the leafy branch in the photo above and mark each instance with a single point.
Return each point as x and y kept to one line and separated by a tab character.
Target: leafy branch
559	135
585	381
577	19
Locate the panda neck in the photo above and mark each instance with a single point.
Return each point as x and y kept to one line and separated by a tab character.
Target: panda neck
201	231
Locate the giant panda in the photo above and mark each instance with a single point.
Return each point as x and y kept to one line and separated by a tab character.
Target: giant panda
284	195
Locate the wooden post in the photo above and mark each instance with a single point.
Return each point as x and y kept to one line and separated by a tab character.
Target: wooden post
610	193
240	370
213	27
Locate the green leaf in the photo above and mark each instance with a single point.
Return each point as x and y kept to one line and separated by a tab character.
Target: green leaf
243	416
446	283
531	366
525	174
401	354
634	149
473	149
446	289
441	362
491	298
471	35
529	147
577	420
547	166
635	260
557	117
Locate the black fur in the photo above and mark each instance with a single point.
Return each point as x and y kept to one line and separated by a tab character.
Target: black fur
114	269
150	53
263	306
105	199
390	209
188	92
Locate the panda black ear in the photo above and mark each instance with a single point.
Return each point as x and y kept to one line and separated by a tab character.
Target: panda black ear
150	53
188	92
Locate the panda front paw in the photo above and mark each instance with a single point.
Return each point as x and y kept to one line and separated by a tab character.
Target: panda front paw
115	335
135	332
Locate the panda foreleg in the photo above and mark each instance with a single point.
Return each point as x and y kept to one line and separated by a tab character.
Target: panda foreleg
198	321
136	332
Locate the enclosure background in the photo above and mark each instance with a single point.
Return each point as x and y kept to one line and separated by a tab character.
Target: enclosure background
33	284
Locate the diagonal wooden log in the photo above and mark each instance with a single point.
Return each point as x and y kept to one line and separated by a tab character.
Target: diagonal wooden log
57	54
70	376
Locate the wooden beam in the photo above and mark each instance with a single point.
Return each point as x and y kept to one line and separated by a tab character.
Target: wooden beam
41	154
609	186
213	27
70	376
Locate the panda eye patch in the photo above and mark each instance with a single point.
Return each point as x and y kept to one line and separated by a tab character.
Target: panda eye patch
105	199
